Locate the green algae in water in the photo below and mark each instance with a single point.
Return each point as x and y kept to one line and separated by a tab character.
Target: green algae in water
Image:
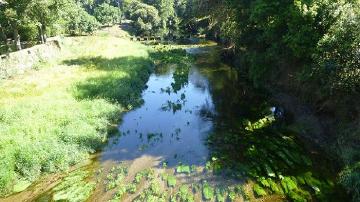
74	188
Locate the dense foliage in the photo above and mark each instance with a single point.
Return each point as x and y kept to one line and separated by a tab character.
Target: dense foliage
145	18
34	20
79	22
107	14
310	48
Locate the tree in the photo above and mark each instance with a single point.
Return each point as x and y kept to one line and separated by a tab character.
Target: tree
2	23
146	19
169	20
78	21
44	13
107	14
14	13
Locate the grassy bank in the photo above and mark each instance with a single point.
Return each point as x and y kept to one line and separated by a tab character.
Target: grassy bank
54	117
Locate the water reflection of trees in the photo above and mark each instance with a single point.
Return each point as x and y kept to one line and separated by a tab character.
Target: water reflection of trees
181	77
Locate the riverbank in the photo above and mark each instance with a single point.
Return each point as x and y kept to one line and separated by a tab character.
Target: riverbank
98	77
326	123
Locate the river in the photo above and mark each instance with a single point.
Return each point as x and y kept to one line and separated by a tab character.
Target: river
202	133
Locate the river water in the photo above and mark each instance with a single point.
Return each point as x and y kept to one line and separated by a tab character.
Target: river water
183	106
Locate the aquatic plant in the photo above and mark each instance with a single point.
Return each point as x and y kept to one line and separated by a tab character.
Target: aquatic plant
220	194
259	191
147	174
74	188
183	169
184	195
121	191
115	177
208	191
272	157
152	194
171	181
232	195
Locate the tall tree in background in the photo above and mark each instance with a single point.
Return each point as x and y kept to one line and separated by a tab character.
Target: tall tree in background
2	23
146	19
15	14
77	20
107	14
169	20
44	13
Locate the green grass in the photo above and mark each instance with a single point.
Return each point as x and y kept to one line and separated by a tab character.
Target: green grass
55	117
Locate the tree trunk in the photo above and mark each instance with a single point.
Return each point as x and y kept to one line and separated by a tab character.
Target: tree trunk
17	37
43	28
3	37
41	35
42	31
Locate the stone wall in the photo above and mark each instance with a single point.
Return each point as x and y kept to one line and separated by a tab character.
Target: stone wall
18	62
